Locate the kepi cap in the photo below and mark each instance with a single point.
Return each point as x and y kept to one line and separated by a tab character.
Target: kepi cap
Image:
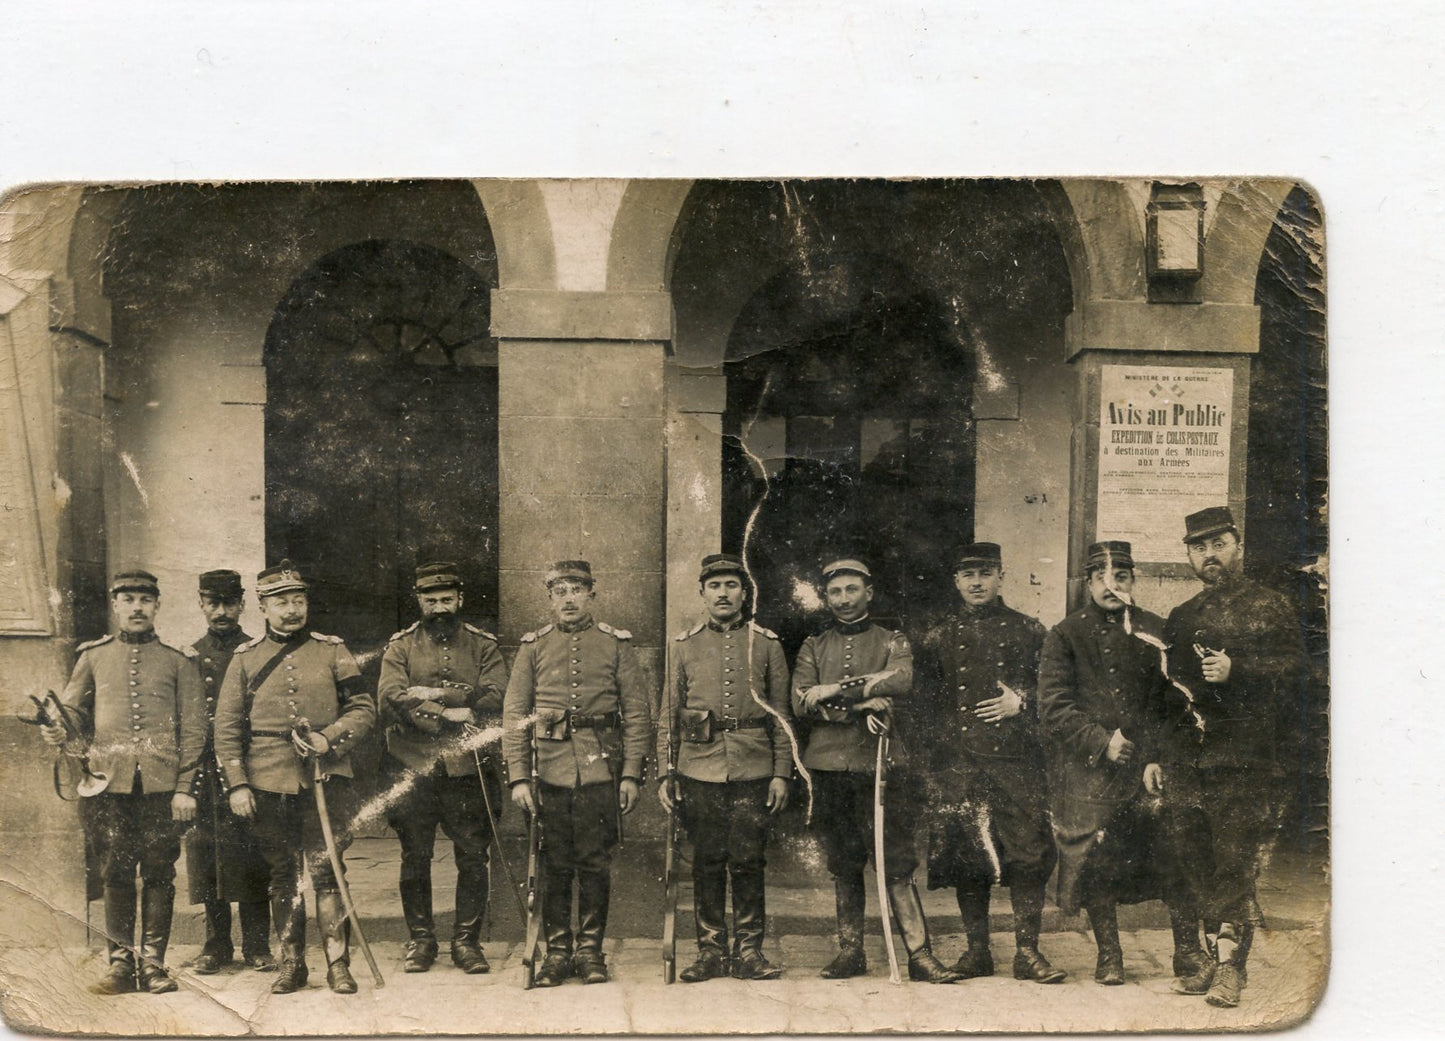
979	553
283	578
135	581
1112	554
576	570
850	565
437	575
1209	521
223	585
721	564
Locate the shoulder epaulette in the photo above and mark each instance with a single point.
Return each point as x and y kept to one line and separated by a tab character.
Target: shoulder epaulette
95	643
689	633
762	630
409	629
532	636
327	639
249	644
479	632
189	652
621	634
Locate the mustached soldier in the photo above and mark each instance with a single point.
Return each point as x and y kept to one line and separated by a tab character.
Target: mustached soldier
276	682
982	668
578	683
223	861
437	676
139	709
734	761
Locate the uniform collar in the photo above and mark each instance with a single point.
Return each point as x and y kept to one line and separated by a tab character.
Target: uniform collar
296	637
1106	617
967	610
853	628
230	641
149	636
576	627
732	627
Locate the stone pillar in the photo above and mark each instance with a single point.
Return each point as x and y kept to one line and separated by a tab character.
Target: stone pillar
696	400
1114	324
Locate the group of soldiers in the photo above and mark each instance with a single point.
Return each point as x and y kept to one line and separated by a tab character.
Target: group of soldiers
1134	755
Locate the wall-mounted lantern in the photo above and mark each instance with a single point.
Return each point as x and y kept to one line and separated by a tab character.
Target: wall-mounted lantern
1174	242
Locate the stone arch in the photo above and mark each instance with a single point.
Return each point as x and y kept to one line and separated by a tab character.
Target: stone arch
521	232
1232	250
646	234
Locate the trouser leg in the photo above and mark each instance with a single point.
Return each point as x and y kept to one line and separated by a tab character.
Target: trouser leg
255	918
558	862
706	817
973	910
218	930
464	819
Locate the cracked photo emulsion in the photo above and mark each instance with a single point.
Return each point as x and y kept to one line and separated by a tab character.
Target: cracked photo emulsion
664	607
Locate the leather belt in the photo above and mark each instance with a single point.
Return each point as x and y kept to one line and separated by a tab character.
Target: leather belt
272	733
734	723
600	721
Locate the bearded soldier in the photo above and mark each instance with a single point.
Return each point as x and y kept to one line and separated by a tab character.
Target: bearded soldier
1236	647
137	705
576	690
440	678
223	861
292	697
844	681
988	769
727	712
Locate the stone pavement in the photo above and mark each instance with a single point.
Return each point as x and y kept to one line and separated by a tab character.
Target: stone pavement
45	966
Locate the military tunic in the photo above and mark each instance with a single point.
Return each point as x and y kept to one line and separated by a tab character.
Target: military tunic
138	702
1095	678
219	837
1222	780
842	754
992	821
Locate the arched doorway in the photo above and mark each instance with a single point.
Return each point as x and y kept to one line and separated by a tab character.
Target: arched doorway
381	432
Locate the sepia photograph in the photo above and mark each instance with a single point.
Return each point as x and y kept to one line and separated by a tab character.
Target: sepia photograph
683	606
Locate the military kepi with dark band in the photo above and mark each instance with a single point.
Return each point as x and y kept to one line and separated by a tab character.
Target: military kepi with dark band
283	578
846	565
721	564
1110	555
437	575
1211	521
976	553
223	585
135	582
572	570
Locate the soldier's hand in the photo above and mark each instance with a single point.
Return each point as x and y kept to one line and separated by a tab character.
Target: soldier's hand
312	743
1007	705
183	807
242	802
1215	666
627	794
1120	749
777	794
522	796
814	696
52	734
1154	779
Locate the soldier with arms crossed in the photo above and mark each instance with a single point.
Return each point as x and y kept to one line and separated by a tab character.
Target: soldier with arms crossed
733	762
577	683
439	676
293	699
844	682
137	705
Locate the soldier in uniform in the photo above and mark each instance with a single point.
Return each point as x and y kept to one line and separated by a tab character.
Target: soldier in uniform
844	683
223	861
1103	707
992	824
287	677
733	761
1236	647
578	681
137	703
439	675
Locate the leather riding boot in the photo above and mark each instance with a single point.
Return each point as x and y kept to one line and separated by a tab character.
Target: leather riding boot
416	909
255	918
923	967
709	903
848	893
119	977
750	918
288	919
977	960
1191	964
1104	918
594	890
1029	962
217	950
556	966
336	940
467	929
157	905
